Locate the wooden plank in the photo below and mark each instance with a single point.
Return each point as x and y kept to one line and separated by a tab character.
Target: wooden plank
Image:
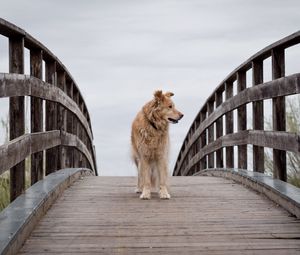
219	131
10	86
242	121
62	118
23	146
289	85
258	116
211	131
73	141
16	115
120	223
51	119
37	159
203	161
229	125
273	139
279	115
70	151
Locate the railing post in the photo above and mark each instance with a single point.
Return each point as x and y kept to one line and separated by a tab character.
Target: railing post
242	120
203	161
62	119
51	119
229	125
70	151
36	70
76	129
16	115
258	117
210	109
219	130
81	133
279	115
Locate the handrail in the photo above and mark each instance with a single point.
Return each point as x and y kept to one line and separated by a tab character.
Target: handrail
60	134
206	140
25	85
18	149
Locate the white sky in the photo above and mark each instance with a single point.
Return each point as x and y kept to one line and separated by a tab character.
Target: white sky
120	51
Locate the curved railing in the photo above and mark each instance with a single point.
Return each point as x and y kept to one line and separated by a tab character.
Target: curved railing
61	127
207	140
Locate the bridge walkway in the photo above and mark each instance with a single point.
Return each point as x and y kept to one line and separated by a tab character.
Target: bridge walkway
206	215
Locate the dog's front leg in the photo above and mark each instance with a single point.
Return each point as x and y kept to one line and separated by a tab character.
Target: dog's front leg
145	174
163	175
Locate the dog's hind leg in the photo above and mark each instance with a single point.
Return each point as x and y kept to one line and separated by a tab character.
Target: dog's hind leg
139	185
163	175
145	172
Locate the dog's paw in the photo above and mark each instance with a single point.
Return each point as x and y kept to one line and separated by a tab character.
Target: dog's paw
163	194
146	195
138	190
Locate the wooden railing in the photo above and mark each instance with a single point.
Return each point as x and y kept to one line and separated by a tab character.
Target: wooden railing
207	140
61	127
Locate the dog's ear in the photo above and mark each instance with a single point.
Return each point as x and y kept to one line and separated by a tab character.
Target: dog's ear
158	95
169	94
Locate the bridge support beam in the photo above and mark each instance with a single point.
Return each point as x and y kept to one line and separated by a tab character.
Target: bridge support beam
279	115
242	121
16	115
51	119
258	116
36	70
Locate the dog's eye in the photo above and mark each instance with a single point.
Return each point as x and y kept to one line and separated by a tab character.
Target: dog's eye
170	106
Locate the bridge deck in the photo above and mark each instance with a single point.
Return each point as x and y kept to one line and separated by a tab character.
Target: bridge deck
206	214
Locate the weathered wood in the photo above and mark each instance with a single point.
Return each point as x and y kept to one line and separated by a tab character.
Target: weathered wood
203	161
75	128
211	131
272	139
36	70
229	126
242	121
18	221
102	215
276	90
258	116
23	146
219	130
62	118
279	115
10	85
73	141
16	115
70	151
51	119
289	85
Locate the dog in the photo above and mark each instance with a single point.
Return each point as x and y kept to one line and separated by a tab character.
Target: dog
150	143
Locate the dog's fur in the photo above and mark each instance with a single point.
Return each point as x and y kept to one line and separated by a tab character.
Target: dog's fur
150	143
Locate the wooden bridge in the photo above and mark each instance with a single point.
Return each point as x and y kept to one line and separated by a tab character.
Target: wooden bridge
217	207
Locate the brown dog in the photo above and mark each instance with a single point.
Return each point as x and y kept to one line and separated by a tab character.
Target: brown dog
150	143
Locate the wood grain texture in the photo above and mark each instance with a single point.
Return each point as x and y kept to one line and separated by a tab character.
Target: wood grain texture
23	85
242	120
17	150
229	125
279	114
285	86
16	115
279	140
258	116
36	107
206	215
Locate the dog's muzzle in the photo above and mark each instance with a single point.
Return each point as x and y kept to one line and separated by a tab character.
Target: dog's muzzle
174	121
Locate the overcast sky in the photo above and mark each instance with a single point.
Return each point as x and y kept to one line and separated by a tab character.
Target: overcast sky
120	51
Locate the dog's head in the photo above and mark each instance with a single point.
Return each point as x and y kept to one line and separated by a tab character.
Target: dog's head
166	106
